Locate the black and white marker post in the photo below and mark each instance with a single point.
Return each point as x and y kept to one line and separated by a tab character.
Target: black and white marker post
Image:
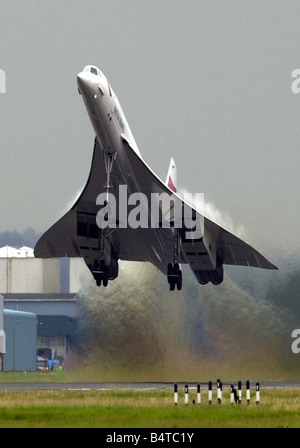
257	394
210	393
248	392
240	391
232	394
186	394
175	394
198	394
219	391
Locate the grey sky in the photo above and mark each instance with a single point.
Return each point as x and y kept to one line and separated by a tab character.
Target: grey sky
207	82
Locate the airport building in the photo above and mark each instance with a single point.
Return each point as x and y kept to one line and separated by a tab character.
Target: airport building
21	272
34	287
18	340
56	317
79	274
21	341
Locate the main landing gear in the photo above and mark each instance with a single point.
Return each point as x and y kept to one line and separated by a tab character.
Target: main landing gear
100	270
174	276
174	271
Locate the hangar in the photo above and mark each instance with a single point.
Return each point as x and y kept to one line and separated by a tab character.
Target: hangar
56	317
18	340
41	287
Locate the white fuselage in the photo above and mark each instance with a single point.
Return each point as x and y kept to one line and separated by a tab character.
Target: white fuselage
105	112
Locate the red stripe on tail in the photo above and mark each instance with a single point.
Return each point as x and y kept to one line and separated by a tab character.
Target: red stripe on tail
171	185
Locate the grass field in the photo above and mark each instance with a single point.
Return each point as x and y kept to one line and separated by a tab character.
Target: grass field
143	409
35	377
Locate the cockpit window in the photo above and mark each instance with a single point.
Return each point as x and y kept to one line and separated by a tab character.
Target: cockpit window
94	71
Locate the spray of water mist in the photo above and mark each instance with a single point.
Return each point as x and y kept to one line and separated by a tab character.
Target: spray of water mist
137	330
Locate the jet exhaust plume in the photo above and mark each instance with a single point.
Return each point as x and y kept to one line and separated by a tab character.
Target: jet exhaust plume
137	330
208	209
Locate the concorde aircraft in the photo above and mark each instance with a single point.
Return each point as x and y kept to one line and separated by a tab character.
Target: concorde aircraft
118	163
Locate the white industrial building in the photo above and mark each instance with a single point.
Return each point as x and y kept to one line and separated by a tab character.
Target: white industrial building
79	274
21	272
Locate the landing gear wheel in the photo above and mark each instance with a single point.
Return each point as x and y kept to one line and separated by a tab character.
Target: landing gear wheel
105	281
170	274
174	276
172	286
98	281
100	272
179	280
170	269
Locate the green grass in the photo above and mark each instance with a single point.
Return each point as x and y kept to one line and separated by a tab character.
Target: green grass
34	377
143	409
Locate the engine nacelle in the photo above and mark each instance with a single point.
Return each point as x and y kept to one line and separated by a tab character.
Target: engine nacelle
215	276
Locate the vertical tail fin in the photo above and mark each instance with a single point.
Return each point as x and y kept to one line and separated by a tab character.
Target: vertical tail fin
171	180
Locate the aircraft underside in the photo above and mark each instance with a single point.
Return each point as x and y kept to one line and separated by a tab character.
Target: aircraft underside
117	163
165	248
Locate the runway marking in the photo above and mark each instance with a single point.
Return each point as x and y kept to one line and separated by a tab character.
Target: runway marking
83	389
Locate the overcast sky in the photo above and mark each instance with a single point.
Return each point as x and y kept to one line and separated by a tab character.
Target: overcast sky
207	82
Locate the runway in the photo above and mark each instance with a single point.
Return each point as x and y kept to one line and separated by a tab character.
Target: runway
87	386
